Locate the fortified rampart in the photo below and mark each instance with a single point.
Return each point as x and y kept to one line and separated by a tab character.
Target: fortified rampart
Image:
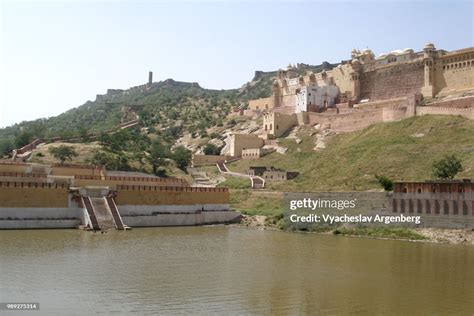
149	195
392	81
40	200
19	194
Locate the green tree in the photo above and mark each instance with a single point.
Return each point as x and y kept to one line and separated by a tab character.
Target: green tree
447	167
182	156
23	139
158	154
211	149
385	182
6	147
63	153
110	160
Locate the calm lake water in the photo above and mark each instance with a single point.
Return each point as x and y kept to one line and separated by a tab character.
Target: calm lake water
230	270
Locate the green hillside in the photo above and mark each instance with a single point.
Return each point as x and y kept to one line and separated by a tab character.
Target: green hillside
403	150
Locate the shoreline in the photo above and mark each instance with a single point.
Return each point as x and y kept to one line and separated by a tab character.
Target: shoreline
431	235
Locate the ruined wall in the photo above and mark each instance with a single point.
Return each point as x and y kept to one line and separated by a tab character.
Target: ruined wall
147	195
13	194
390	82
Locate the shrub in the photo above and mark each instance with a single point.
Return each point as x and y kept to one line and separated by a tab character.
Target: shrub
447	167
385	182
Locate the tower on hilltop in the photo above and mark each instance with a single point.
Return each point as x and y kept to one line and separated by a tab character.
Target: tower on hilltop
150	77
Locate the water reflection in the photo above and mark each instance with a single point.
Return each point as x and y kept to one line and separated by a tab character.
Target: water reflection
215	269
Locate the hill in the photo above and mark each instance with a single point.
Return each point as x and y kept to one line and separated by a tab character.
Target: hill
403	150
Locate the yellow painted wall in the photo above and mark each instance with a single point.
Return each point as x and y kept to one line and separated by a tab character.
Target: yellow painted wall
13	167
72	171
33	197
113	183
170	197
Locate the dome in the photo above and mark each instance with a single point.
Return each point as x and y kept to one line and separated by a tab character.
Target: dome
429	45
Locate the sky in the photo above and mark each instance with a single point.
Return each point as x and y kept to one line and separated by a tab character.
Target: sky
57	55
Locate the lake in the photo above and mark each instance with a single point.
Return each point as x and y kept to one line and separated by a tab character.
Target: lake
231	270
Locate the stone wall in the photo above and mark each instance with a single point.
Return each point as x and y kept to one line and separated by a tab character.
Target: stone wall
437	110
201	218
455	71
238	142
261	104
466	102
13	167
200	160
390	82
347	122
79	170
17	194
148	195
253	153
276	124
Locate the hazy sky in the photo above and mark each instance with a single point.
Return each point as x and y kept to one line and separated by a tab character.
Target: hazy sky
57	55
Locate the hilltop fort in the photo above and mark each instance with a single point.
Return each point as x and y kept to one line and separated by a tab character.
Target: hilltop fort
362	91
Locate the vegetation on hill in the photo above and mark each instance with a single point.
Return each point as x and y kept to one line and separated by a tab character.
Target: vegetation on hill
168	109
403	150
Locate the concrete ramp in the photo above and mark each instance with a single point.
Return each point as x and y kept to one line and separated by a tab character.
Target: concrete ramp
103	214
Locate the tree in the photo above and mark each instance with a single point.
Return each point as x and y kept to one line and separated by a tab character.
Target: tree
447	167
23	139
182	156
211	149
158	154
63	153
385	182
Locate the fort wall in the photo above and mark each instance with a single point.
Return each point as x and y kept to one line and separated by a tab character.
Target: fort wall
14	194
200	160
148	195
73	170
437	110
262	104
454	71
238	142
392	81
346	122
